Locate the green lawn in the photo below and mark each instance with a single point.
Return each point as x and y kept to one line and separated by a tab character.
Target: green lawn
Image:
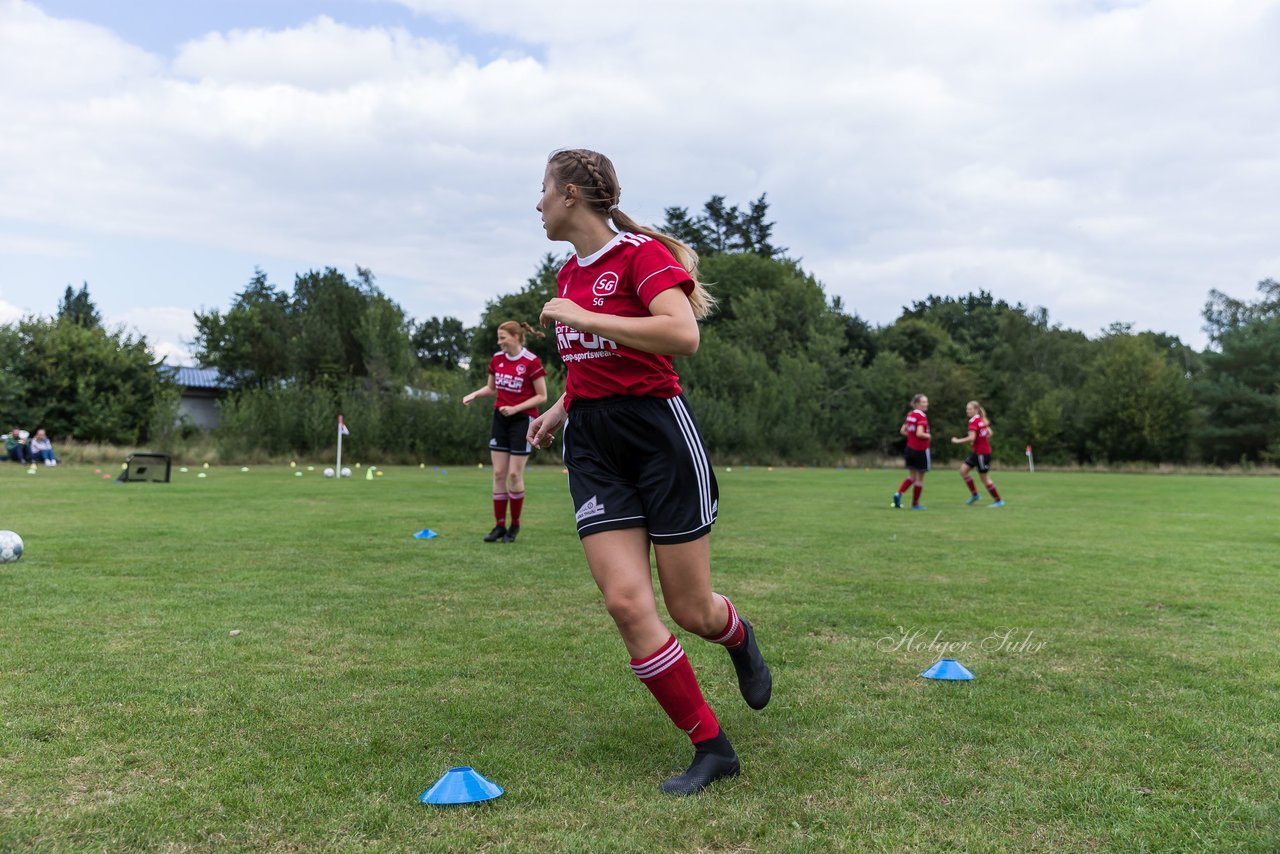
1133	705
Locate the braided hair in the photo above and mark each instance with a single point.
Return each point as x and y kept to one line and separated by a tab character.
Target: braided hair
597	182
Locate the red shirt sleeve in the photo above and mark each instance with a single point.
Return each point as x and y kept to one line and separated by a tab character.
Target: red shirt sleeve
654	269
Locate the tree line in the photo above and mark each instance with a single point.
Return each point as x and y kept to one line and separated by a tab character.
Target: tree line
784	373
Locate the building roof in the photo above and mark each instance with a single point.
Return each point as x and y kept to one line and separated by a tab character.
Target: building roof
197	377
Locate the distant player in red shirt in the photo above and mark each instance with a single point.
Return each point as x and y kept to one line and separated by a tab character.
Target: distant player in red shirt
916	429
638	470
518	381
980	438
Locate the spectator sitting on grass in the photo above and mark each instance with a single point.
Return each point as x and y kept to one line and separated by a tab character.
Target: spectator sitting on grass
15	445
42	449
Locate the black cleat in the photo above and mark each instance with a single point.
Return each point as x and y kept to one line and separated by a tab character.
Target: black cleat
510	535
754	679
498	532
712	760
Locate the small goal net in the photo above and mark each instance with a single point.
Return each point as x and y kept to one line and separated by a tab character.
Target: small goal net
145	468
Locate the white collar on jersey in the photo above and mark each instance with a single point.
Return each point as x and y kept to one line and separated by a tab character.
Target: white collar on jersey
523	354
595	256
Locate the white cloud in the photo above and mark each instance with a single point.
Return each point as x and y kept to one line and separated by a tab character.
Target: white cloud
169	330
1111	162
10	313
321	55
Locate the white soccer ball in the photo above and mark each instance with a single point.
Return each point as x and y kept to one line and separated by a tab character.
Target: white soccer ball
10	547
346	472
328	472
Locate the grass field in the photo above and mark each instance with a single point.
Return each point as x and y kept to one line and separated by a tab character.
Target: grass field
1124	632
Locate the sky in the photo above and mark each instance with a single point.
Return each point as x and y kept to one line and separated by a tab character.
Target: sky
1109	161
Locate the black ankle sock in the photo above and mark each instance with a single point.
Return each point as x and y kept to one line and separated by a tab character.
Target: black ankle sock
719	745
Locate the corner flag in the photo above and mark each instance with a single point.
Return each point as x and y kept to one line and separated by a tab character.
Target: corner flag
342	431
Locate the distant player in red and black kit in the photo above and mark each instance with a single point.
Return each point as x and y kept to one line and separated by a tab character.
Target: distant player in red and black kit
638	470
980	438
517	379
916	429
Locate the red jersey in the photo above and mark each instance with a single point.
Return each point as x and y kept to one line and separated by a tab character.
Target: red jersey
621	279
916	419
513	377
981	435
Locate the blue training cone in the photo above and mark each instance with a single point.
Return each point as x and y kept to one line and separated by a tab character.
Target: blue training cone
461	786
947	668
425	534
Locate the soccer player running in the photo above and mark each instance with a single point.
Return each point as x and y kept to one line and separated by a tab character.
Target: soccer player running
980	439
518	382
916	429
638	472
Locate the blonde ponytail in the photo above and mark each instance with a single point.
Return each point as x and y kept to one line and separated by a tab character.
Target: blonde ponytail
700	298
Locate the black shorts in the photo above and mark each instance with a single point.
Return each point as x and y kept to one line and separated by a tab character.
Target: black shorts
510	434
639	462
917	460
981	462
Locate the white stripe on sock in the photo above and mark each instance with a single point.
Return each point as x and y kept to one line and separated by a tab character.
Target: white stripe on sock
660	663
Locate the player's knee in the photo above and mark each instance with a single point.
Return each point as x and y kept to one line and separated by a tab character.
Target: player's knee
694	616
627	610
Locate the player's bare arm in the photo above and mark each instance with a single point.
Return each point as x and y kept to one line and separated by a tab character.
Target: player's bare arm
964	440
486	391
670	329
543	428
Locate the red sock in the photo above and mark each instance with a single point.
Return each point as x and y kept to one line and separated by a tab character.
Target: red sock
991	487
915	495
968	481
517	504
902	490
734	633
500	507
669	677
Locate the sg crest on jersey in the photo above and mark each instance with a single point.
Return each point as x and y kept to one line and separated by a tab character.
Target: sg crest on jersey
606	285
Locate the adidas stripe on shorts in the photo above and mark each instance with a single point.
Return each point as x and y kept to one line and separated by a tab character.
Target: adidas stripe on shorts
639	462
917	460
510	433
981	462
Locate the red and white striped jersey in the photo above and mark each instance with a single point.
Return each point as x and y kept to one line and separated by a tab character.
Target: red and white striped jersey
916	419
513	378
621	279
981	435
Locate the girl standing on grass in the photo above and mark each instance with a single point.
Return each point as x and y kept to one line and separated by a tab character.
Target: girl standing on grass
518	381
980	439
627	302
916	429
